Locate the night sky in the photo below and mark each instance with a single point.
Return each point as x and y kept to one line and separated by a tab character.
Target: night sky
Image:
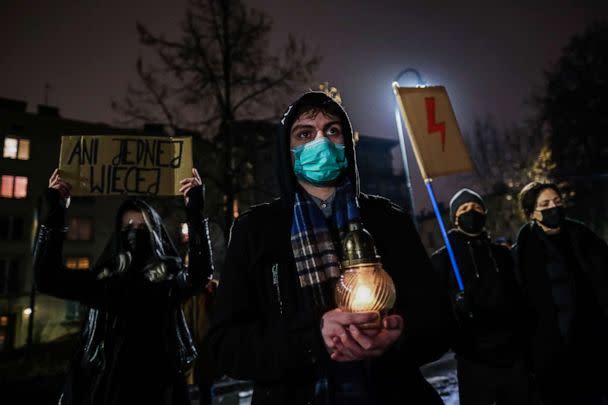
489	55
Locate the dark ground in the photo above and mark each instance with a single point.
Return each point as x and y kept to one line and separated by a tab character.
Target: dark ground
43	390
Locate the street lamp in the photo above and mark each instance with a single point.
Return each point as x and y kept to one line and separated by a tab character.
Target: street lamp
408	182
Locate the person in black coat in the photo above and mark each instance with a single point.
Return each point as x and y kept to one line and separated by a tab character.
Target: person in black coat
135	344
275	320
563	268
486	338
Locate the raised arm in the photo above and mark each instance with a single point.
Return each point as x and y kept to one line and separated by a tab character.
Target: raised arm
197	275
50	274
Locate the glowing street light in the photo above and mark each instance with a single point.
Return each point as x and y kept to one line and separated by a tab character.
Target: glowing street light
408	182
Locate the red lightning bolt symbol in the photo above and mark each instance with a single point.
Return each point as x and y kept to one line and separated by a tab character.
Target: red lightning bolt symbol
433	126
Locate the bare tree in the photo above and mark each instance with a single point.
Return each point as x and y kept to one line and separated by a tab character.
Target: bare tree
573	104
220	70
503	159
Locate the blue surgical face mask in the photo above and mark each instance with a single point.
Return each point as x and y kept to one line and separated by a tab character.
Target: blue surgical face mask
319	162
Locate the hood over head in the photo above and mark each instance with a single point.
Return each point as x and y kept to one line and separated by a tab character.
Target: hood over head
314	100
160	241
100	323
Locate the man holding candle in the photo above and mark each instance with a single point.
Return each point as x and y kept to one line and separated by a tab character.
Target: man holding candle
275	320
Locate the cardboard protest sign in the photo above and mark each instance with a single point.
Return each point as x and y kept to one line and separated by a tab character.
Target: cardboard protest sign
116	165
433	130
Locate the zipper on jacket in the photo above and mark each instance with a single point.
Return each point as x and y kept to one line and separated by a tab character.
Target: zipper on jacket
473	259
275	282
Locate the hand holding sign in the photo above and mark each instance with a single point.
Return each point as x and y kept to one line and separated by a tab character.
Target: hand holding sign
190	182
56	182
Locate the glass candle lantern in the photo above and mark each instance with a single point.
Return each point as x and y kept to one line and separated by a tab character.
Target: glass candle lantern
364	286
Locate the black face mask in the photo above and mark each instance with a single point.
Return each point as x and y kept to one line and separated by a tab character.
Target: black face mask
137	242
553	218
472	222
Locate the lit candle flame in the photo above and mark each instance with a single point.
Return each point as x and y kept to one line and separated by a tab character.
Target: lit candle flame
363	298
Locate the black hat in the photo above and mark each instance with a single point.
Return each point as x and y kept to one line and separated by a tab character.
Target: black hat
463	196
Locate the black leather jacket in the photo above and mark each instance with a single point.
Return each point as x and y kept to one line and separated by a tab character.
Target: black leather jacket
122	303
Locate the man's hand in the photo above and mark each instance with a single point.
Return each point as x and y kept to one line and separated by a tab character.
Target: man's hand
190	182
60	185
337	338
349	342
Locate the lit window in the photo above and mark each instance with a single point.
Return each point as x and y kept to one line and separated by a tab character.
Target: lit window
77	263
83	263
11	145
80	228
15	148
13	186
4	335
7	186
20	187
24	149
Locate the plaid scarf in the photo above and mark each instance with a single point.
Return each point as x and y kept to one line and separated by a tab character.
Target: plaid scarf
316	256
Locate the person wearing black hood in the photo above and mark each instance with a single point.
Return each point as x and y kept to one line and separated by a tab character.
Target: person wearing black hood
135	344
275	320
487	338
563	267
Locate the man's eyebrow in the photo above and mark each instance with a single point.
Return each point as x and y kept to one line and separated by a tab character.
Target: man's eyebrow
329	124
307	126
300	126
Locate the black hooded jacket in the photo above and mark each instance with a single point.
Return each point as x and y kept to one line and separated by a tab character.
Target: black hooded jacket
487	322
263	327
135	332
